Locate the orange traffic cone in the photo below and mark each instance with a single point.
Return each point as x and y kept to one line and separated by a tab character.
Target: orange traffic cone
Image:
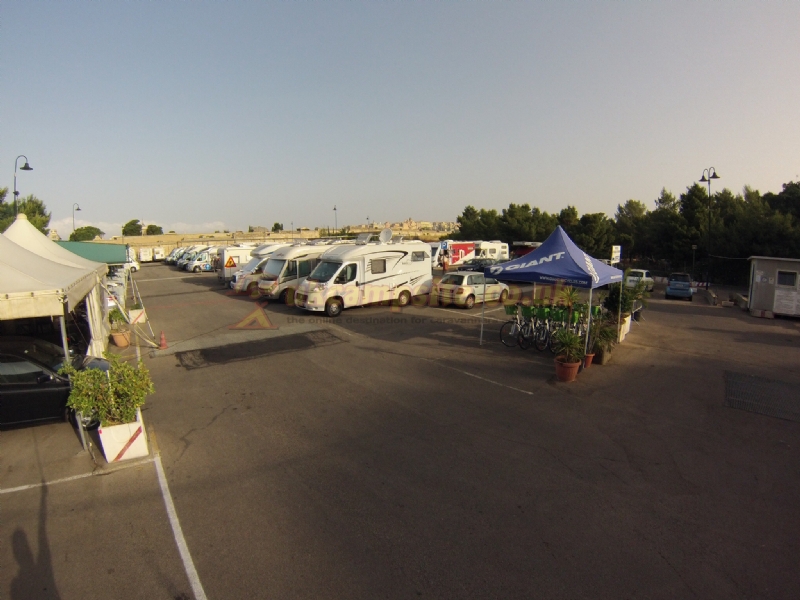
163	345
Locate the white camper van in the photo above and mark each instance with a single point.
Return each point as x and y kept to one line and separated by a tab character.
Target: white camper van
232	259
494	249
247	278
366	273
158	253
145	255
287	268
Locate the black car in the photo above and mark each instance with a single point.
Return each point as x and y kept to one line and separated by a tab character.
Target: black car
477	264
31	389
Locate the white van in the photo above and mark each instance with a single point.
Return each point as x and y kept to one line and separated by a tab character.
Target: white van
158	253
232	259
287	268
494	249
367	273
203	260
247	278
145	255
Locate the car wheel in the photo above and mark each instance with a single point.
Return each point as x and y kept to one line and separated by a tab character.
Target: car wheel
691	298
470	302
404	299
333	307
196	270
666	296
252	289
503	296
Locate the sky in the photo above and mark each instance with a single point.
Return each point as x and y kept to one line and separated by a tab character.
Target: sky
203	116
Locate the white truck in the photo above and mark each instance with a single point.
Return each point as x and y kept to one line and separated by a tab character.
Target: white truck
247	278
366	273
232	259
287	268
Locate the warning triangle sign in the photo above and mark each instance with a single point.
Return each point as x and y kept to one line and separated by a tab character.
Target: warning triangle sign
230	263
257	319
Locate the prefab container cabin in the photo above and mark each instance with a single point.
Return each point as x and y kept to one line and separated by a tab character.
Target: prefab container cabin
774	286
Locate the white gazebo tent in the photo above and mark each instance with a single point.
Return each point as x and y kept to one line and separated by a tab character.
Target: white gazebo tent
37	280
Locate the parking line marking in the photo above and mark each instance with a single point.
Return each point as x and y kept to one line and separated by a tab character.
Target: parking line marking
183	549
167	278
458	312
74	477
482	378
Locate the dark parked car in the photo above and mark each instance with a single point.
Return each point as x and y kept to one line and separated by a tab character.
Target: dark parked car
31	389
679	285
477	264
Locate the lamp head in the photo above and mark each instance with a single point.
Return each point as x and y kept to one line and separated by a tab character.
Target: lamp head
713	175
26	167
77	208
703	179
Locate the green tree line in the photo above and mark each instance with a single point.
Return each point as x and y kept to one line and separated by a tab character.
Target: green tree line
661	238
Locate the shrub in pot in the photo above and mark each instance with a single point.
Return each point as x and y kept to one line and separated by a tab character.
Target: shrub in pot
602	337
119	328
114	398
569	353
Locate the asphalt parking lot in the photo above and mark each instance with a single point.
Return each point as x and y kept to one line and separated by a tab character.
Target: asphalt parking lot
386	454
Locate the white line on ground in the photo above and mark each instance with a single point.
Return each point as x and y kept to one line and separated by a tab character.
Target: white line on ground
74	477
458	312
167	278
177	532
484	379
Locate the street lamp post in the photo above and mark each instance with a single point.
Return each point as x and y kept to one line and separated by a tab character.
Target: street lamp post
708	175
74	208
694	247
335	221
25	167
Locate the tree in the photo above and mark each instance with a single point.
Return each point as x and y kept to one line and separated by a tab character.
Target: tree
630	222
133	227
85	234
277	227
154	230
31	206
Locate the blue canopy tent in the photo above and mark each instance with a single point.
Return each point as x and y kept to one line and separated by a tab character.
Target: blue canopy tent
558	259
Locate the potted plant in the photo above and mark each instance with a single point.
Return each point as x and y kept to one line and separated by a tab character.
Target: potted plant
569	353
569	297
119	328
136	314
114	398
603	336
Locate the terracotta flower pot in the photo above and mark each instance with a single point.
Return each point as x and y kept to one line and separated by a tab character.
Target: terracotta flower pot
121	339
566	371
588	360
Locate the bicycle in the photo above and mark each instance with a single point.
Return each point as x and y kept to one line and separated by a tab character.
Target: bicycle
510	330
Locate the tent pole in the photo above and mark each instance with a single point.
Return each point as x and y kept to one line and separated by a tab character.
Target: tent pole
483	309
619	313
588	323
78	416
63	321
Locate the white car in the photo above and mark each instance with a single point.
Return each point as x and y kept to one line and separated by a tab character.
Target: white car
132	265
637	275
465	288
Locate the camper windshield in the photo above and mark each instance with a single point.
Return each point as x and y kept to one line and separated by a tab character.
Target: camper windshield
251	265
324	271
273	268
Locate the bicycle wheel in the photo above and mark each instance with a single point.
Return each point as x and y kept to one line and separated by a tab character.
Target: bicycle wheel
525	338
509	332
541	338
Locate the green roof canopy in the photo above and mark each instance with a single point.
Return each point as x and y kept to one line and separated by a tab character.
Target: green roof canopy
111	254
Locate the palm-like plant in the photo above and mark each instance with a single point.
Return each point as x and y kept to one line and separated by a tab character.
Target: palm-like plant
570	297
569	345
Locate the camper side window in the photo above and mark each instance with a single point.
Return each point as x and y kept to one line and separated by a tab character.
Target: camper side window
419	256
305	268
787	278
347	274
377	265
291	270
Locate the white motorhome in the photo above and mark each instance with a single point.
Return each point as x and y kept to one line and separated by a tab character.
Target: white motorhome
366	273
247	278
158	253
145	255
203	260
231	259
494	249
287	268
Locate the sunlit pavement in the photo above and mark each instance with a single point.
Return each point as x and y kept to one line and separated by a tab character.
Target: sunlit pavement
387	454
